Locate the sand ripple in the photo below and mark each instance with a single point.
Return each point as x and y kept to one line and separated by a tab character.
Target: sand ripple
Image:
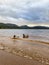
25	54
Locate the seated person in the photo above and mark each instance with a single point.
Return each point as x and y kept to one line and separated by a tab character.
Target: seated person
14	36
25	36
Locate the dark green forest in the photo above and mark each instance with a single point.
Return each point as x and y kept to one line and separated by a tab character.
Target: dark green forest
14	26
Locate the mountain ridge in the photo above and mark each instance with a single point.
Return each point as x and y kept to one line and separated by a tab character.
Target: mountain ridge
14	26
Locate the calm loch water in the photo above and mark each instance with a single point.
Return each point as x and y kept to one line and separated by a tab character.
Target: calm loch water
37	34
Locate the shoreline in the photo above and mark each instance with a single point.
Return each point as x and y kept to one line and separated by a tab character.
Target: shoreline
28	40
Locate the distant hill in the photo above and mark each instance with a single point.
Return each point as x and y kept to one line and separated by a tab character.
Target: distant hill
25	27
39	27
8	26
14	26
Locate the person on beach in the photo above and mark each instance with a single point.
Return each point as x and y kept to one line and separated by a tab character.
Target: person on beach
25	36
14	36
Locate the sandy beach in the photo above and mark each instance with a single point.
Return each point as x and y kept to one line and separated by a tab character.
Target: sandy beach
23	52
10	59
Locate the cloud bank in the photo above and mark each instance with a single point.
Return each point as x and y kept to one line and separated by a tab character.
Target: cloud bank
24	12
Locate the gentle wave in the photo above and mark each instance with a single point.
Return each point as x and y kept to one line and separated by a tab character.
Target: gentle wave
36	41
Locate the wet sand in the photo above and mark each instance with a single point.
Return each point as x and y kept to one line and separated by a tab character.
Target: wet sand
10	59
23	52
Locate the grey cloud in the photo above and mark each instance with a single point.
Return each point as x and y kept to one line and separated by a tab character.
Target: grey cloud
25	9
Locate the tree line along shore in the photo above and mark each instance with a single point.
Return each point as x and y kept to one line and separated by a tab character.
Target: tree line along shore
14	26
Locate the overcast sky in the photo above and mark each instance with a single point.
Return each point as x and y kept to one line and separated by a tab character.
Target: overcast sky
25	12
